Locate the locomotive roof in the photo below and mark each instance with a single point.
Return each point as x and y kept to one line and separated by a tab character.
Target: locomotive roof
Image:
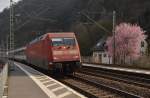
61	34
56	34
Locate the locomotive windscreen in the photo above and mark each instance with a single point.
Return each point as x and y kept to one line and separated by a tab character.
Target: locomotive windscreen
63	41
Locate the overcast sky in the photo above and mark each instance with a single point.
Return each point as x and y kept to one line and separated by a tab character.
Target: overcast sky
5	3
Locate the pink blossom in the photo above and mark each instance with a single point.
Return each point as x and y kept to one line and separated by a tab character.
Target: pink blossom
128	39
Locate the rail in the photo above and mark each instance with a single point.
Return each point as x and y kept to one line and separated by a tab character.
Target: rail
3	78
114	90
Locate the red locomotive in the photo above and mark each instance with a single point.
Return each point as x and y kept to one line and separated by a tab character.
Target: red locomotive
54	51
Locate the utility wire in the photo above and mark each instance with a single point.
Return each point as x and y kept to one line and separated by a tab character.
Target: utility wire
34	17
28	21
99	25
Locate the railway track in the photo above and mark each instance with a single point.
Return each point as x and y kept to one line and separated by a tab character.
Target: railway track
123	84
94	89
135	80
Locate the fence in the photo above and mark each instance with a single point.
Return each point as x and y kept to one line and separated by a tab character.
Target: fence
89	59
3	78
104	61
142	63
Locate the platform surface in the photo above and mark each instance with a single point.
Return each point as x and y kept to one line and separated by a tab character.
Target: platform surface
25	82
141	71
22	86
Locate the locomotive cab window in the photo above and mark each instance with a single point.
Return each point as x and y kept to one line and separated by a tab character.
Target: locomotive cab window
57	41
63	41
69	41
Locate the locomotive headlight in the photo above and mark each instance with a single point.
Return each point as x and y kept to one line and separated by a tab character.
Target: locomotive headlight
76	56
55	58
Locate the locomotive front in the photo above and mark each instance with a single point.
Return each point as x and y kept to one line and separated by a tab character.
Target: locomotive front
65	52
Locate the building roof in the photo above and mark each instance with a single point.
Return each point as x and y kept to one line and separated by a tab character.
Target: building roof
100	46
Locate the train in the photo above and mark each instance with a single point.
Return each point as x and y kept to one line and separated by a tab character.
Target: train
52	52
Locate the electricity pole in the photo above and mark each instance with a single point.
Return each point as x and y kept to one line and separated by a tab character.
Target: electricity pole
114	39
11	34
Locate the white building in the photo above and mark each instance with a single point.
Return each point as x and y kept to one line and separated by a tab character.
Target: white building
99	53
102	57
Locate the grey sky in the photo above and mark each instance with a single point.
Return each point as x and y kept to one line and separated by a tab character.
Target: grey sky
5	3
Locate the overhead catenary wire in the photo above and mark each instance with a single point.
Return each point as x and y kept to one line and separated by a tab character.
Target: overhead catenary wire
28	21
99	25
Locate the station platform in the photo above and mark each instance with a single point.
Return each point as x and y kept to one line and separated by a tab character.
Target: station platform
140	71
25	82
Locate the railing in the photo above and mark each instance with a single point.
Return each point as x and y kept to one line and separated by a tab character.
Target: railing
3	78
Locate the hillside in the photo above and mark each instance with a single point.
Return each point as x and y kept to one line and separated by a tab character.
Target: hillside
43	16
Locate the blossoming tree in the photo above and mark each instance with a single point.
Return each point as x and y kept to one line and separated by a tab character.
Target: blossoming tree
128	39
